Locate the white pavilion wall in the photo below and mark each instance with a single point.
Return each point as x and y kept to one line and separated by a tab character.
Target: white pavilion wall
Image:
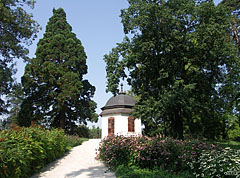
120	126
104	126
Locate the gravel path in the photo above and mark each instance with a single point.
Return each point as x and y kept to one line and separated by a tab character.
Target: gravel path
79	163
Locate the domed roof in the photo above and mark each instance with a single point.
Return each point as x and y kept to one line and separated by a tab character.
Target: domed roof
120	101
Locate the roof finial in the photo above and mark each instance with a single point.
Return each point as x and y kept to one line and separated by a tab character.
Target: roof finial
121	91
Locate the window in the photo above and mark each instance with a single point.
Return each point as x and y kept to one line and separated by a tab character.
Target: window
131	126
111	126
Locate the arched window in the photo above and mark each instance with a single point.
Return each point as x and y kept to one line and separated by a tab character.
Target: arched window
131	125
111	126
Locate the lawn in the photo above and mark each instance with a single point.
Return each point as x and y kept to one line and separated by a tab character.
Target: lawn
229	143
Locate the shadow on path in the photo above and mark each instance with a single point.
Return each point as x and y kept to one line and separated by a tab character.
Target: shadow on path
50	166
95	171
78	163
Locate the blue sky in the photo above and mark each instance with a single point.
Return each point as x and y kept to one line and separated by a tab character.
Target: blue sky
97	24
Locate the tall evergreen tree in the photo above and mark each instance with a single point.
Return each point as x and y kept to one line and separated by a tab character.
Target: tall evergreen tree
16	28
181	61
56	93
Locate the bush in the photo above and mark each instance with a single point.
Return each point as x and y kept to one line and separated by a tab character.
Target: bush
233	131
217	163
73	141
115	151
23	151
168	154
155	152
234	134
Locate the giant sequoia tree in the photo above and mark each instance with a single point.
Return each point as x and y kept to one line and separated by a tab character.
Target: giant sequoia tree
183	63
16	28
56	93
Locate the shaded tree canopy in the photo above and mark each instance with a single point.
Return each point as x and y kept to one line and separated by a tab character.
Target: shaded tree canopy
56	92
17	28
234	7
14	100
182	61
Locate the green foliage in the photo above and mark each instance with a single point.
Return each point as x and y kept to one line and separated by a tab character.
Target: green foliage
80	131
17	28
136	172
115	151
221	163
95	132
24	151
73	141
6	82
234	134
84	132
233	129
14	100
232	144
191	157
182	63
56	93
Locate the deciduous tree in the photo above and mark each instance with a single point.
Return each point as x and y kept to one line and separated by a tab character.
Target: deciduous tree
17	28
183	63
14	100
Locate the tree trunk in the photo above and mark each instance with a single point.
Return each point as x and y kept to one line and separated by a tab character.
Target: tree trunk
178	126
224	134
239	121
165	129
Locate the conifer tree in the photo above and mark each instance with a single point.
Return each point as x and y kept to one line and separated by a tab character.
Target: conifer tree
56	93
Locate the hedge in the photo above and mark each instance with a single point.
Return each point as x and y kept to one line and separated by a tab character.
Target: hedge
23	151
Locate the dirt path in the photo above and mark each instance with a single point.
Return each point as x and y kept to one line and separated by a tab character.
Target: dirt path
79	163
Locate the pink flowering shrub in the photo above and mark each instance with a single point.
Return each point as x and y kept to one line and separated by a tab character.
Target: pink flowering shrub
145	152
155	152
199	158
115	151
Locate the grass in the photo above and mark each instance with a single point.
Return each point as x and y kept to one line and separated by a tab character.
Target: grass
229	143
135	172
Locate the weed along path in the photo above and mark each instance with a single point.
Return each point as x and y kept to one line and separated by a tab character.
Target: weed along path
79	163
